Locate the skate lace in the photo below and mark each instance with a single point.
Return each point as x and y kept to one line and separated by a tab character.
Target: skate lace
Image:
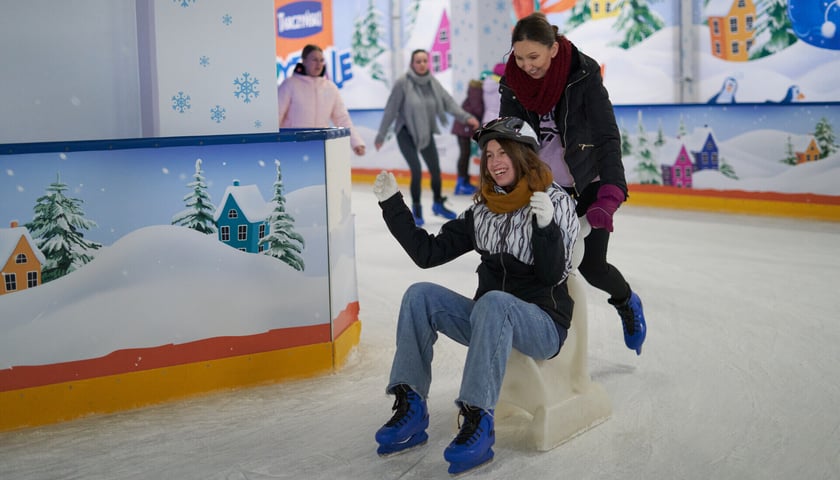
469	427
400	409
628	318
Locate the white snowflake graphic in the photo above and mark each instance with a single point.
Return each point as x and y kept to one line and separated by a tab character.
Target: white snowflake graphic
181	102
246	88
217	114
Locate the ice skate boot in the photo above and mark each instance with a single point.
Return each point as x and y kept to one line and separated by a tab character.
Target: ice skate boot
472	447
464	187
407	428
441	211
633	320
417	211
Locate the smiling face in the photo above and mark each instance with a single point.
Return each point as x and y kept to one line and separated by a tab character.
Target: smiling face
533	57
314	63
499	164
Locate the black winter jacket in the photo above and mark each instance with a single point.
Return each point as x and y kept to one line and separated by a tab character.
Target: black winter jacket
586	122
539	283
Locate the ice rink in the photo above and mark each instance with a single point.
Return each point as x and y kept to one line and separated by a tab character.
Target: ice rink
739	377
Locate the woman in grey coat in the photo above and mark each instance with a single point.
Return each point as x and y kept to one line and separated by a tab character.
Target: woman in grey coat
416	104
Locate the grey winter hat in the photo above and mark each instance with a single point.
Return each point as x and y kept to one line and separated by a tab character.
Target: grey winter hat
511	128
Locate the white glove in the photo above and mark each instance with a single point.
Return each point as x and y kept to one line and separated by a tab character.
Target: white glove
542	208
385	186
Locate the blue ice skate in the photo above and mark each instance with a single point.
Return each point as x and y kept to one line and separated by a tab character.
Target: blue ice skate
472	447
633	320
407	428
441	211
417	211
464	187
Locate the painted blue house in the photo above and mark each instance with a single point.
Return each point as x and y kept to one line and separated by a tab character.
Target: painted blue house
707	157
242	217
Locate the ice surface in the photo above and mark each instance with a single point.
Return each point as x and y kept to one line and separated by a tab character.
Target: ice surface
737	380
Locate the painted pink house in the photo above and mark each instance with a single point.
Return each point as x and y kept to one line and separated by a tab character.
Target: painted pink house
440	56
679	173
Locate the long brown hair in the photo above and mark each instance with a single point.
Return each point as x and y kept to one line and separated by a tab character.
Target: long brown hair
526	162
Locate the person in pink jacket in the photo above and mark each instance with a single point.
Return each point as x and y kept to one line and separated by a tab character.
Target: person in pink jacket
309	99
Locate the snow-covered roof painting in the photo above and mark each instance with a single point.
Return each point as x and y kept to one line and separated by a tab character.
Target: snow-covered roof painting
9	238
250	202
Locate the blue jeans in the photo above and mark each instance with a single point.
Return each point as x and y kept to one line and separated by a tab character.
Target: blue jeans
490	327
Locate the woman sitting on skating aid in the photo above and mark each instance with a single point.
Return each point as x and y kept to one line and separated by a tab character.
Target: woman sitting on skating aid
524	227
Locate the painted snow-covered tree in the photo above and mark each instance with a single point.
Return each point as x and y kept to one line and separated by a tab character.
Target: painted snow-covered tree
57	228
726	169
682	131
282	241
369	42
637	22
412	13
626	144
580	14
824	134
660	135
199	212
647	169
773	29
790	156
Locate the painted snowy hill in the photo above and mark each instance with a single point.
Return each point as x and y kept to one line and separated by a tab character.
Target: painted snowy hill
756	157
172	285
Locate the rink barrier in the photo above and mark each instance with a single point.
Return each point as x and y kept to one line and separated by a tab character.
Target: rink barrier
804	206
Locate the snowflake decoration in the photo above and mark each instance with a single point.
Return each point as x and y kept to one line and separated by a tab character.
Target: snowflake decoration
246	87
227	19
204	61
184	3
181	102
217	114
502	6
257	123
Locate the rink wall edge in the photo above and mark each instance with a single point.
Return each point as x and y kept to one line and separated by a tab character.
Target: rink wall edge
803	206
59	402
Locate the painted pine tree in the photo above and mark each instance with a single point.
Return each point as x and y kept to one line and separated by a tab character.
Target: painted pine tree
726	169
637	22
773	29
626	144
579	15
199	212
57	229
412	13
682	131
647	169
282	242
660	136
368	42
824	134
790	156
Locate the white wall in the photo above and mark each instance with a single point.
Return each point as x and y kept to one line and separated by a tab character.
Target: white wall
69	70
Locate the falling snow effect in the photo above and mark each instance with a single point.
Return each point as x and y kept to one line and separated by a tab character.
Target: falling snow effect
246	88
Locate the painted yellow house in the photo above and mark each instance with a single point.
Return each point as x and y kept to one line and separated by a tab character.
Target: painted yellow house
731	28
22	260
811	153
604	8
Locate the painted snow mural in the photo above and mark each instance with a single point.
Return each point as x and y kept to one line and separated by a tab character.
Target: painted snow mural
773	148
136	269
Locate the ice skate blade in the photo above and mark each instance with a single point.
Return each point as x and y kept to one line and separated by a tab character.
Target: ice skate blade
457	470
411	443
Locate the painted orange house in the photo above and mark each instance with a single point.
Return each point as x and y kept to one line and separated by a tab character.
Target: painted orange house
811	152
731	28
22	260
604	8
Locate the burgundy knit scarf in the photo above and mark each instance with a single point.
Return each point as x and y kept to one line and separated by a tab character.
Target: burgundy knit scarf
541	95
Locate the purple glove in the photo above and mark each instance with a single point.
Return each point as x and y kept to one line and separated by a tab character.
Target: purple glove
601	211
